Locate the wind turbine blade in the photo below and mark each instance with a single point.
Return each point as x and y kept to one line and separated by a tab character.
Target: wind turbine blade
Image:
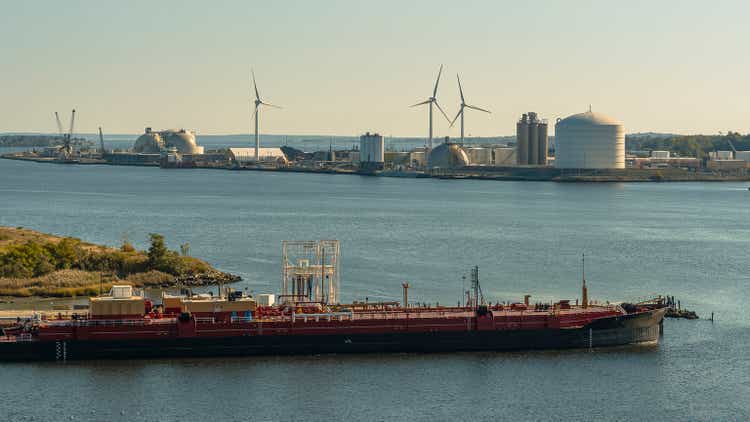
252	116
437	81
257	96
457	114
460	90
422	103
442	111
478	109
270	105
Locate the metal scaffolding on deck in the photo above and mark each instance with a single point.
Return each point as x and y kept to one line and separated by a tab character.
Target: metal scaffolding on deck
310	271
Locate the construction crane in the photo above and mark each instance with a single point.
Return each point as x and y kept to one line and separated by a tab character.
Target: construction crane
67	148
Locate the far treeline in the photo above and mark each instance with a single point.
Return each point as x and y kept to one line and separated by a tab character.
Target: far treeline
38	141
698	146
35	264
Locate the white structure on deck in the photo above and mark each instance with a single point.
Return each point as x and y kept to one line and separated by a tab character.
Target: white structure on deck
310	271
247	155
589	141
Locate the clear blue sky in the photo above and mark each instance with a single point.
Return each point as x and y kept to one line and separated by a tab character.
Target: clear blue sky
344	67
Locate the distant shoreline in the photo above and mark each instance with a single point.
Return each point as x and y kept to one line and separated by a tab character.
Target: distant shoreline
545	174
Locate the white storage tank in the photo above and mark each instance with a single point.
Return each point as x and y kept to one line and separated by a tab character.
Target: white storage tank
589	141
371	151
479	156
505	157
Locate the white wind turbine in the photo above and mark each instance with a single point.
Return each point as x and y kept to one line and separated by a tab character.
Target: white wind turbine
258	103
433	100
463	106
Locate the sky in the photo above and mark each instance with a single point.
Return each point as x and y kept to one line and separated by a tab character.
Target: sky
346	67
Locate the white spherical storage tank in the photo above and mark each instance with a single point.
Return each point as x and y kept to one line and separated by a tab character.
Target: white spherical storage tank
589	141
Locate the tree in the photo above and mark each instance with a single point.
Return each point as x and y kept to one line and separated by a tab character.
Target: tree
157	252
126	245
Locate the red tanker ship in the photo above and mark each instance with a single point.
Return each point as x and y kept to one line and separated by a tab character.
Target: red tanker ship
307	321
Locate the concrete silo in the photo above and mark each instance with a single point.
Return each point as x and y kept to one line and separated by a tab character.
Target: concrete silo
542	144
522	141
531	140
589	141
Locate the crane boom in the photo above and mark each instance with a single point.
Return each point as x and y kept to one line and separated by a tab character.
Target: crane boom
72	123
59	124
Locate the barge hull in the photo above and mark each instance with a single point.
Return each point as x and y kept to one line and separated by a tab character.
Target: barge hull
614	331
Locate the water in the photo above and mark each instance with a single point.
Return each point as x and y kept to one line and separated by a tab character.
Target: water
689	240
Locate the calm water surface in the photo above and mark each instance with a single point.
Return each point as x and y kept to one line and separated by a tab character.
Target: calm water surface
690	240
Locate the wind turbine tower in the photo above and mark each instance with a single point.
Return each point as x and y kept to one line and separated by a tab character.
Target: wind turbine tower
433	101
464	106
256	114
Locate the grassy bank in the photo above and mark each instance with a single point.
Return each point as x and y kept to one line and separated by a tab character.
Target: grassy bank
39	264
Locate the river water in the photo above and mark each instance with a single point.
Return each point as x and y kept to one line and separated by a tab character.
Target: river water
690	240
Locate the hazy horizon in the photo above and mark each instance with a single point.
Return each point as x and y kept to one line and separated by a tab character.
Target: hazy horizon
342	67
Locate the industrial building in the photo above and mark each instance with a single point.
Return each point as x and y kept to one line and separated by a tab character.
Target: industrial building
589	141
532	140
242	156
447	156
371	152
152	142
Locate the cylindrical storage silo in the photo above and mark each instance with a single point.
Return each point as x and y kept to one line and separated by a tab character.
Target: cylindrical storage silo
542	144
533	143
522	141
589	141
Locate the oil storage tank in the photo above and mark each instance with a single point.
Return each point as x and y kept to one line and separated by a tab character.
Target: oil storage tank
589	141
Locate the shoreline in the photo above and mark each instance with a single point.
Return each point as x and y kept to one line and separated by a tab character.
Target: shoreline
519	174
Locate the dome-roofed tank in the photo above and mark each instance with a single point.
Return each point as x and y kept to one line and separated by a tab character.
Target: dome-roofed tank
589	141
183	140
153	142
148	143
447	156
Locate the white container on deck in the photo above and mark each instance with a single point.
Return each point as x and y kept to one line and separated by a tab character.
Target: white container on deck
266	300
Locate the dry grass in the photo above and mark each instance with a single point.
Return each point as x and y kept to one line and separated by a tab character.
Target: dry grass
150	278
63	283
20	235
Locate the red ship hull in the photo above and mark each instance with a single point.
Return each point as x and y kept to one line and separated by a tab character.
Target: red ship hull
442	330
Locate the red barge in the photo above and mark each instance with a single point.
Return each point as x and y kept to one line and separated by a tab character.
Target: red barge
124	325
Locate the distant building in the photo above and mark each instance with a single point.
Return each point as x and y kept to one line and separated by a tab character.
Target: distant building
721	155
243	156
